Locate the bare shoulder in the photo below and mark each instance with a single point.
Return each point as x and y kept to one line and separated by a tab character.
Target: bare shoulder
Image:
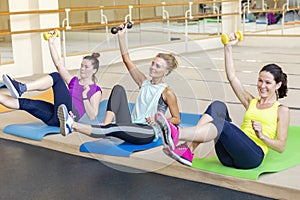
283	110
168	92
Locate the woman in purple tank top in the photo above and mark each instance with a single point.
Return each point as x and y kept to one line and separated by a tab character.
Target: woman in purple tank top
80	94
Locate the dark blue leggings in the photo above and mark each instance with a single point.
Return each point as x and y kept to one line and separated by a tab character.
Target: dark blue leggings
45	111
233	147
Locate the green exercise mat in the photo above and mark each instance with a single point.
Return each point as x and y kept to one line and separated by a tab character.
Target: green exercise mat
274	162
211	20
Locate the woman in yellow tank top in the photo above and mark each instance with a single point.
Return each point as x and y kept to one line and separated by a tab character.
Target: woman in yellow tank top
265	122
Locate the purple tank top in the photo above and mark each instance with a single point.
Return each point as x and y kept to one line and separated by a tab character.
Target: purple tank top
76	93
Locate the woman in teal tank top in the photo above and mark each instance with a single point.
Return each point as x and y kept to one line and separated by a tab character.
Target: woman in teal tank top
265	123
154	95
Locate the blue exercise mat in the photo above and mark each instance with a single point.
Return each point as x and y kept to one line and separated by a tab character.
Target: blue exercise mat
115	147
2	85
188	119
34	131
38	130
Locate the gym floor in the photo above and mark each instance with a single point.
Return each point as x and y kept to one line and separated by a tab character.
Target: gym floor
31	172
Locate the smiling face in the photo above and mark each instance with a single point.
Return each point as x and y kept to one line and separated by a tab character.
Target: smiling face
87	69
266	85
158	68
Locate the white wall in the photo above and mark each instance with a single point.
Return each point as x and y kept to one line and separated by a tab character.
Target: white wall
30	51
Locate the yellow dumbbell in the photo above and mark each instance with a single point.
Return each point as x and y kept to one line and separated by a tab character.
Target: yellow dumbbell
225	39
48	35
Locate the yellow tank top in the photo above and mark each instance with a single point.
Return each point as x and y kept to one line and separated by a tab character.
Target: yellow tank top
267	117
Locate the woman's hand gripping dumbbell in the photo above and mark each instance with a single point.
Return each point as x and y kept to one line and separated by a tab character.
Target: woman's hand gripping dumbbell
50	34
226	38
115	30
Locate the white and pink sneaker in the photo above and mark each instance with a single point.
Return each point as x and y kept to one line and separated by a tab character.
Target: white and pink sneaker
170	132
181	153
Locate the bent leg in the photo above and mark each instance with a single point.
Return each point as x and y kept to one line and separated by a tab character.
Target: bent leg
219	113
117	106
9	101
40	109
40	84
209	126
61	94
235	149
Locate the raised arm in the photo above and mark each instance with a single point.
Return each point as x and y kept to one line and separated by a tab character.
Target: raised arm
58	62
239	90
135	73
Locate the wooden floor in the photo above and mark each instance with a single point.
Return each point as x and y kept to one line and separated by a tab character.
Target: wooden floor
199	79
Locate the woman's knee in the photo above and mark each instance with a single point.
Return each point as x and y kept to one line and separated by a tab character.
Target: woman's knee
216	106
56	77
219	104
218	109
118	89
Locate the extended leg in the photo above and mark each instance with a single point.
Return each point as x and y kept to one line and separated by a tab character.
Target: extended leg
131	133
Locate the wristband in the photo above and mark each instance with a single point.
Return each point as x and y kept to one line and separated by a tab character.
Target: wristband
85	98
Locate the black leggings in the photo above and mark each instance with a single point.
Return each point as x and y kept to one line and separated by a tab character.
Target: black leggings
123	128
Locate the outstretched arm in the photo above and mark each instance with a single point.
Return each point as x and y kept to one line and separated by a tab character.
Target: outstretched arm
66	76
135	73
239	90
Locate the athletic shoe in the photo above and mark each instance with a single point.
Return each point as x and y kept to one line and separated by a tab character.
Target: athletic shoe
169	131
15	88
65	120
181	153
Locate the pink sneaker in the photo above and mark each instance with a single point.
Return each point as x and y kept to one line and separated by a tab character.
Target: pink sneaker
169	131
181	153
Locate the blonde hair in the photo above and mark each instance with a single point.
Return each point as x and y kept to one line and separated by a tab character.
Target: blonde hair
170	60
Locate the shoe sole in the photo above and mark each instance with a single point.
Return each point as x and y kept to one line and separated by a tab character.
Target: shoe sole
164	125
62	119
13	92
176	157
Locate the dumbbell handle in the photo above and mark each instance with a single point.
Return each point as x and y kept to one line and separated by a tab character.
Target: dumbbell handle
114	30
225	39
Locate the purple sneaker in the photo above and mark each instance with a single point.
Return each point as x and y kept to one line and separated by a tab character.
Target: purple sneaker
181	153
15	88
65	120
169	131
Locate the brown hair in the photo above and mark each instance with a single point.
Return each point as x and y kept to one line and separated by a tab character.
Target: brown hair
94	58
279	76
